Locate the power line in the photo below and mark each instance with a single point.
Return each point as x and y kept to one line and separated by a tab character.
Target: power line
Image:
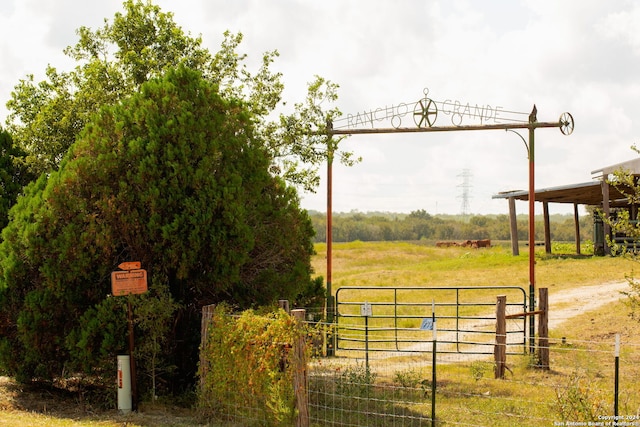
466	186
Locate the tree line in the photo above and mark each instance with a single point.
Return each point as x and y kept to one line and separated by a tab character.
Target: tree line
421	225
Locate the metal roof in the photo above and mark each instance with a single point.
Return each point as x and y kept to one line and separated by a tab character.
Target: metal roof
586	193
630	166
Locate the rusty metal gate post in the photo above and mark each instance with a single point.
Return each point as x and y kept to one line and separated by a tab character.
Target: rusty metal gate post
532	228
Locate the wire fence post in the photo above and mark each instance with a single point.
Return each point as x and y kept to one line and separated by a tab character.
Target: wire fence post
366	312
205	324
284	304
433	365
366	342
500	348
543	328
300	383
617	376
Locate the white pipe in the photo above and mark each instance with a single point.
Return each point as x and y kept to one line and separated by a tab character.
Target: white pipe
124	384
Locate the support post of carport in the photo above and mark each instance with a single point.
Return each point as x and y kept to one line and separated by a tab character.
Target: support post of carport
576	220
606	211
547	227
513	226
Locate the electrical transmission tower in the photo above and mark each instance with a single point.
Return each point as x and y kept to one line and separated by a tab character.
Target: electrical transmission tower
466	186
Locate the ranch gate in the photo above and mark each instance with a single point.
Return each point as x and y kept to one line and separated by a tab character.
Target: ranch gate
396	319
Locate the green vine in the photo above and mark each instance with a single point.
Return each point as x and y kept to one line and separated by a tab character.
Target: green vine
249	368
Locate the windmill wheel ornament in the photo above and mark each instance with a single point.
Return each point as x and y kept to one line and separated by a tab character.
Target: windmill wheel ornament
566	124
425	113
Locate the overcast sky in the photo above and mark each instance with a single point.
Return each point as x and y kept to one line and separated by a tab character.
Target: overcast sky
577	56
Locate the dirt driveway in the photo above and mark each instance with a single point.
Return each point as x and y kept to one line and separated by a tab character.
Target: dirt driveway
568	303
563	305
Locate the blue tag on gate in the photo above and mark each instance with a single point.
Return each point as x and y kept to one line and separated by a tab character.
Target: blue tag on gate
427	324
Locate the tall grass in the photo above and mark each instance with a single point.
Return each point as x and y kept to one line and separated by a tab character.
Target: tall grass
414	264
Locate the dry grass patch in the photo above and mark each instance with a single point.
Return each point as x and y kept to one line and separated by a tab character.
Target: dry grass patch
415	264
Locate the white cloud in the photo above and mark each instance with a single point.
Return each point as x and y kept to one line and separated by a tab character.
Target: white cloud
622	25
580	56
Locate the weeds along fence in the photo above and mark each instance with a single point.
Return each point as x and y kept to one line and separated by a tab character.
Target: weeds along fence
253	368
589	383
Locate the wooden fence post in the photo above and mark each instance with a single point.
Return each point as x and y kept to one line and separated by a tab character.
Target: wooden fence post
300	372
500	348
284	304
543	328
207	315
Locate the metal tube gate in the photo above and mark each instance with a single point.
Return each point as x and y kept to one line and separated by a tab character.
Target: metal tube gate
466	318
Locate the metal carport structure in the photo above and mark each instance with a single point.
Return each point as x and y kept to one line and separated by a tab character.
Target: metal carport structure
598	192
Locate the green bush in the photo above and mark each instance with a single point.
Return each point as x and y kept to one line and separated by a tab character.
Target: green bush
408	378
186	191
356	380
479	369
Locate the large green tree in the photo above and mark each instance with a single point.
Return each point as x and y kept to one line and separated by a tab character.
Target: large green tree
174	176
114	61
14	174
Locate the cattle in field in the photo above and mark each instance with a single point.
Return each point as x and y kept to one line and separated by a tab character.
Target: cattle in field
483	243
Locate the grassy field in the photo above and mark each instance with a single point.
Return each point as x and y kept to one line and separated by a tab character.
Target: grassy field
407	264
415	264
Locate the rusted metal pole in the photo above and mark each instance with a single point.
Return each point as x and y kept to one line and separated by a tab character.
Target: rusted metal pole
532	228
330	313
329	223
132	362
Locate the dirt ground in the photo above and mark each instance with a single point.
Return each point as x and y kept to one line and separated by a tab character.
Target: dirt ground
564	305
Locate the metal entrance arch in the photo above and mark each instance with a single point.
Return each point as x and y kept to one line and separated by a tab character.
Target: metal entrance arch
425	114
465	318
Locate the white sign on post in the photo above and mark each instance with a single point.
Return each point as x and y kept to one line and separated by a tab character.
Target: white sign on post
365	310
